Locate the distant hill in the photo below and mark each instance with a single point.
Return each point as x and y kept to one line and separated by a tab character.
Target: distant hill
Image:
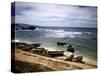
20	26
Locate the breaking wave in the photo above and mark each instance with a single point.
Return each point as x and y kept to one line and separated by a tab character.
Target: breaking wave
60	33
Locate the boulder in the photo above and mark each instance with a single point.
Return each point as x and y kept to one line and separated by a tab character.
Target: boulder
36	45
39	50
78	59
69	58
55	53
26	48
69	48
61	43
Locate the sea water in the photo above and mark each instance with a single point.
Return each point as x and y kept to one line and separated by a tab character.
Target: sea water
83	40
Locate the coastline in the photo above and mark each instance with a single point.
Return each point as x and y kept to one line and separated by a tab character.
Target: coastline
46	63
86	60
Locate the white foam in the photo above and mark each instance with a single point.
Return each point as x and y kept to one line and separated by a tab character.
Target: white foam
73	33
72	36
89	33
60	33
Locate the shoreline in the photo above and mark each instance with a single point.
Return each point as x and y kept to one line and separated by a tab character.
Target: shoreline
24	54
54	49
87	59
49	61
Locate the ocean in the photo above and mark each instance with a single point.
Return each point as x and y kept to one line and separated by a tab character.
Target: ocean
83	40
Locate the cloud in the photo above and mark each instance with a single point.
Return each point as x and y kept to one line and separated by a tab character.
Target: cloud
51	14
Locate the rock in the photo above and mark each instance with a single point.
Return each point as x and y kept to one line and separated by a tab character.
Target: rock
93	38
55	53
27	47
36	45
78	59
39	50
61	43
69	58
69	48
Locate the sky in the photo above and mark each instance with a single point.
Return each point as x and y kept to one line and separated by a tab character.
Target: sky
60	15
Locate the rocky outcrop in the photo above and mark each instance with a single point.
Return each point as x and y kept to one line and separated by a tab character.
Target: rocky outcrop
69	58
40	50
27	47
55	53
69	48
61	43
36	45
78	59
33	48
20	26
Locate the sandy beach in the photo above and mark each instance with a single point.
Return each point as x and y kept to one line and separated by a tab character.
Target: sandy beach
30	62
